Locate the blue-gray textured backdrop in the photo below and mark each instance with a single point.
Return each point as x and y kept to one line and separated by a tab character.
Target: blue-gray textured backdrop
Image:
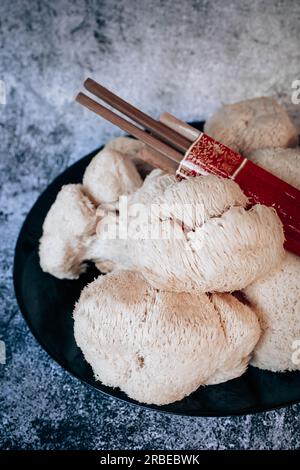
186	57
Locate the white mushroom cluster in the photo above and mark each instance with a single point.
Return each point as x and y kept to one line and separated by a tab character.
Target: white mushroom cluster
160	346
262	130
67	231
163	321
218	247
70	225
276	297
251	125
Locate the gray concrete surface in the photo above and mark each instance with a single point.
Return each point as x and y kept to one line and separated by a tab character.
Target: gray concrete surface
186	57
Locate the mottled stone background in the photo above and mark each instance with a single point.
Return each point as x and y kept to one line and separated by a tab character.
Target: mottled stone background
183	56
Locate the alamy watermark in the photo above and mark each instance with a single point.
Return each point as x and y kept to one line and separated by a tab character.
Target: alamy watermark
137	221
2	92
296	93
296	353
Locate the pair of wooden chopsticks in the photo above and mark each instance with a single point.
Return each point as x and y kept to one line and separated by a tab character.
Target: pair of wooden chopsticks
170	141
168	144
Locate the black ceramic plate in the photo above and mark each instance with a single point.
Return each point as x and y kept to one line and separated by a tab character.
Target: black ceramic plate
47	304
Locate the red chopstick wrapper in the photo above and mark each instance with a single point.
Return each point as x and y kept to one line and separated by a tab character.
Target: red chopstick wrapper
207	156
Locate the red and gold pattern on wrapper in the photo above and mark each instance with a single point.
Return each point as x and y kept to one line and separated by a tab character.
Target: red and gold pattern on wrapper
207	156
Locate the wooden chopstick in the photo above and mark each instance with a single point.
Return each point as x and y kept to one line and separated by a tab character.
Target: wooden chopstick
127	126
157	128
181	127
157	160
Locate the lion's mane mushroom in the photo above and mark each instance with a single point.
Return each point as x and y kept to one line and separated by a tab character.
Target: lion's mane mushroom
67	231
70	224
215	244
157	346
252	124
112	173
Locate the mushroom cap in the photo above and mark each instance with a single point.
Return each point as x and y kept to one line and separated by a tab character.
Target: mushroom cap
67	230
252	124
276	301
131	148
126	145
160	346
110	174
200	237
